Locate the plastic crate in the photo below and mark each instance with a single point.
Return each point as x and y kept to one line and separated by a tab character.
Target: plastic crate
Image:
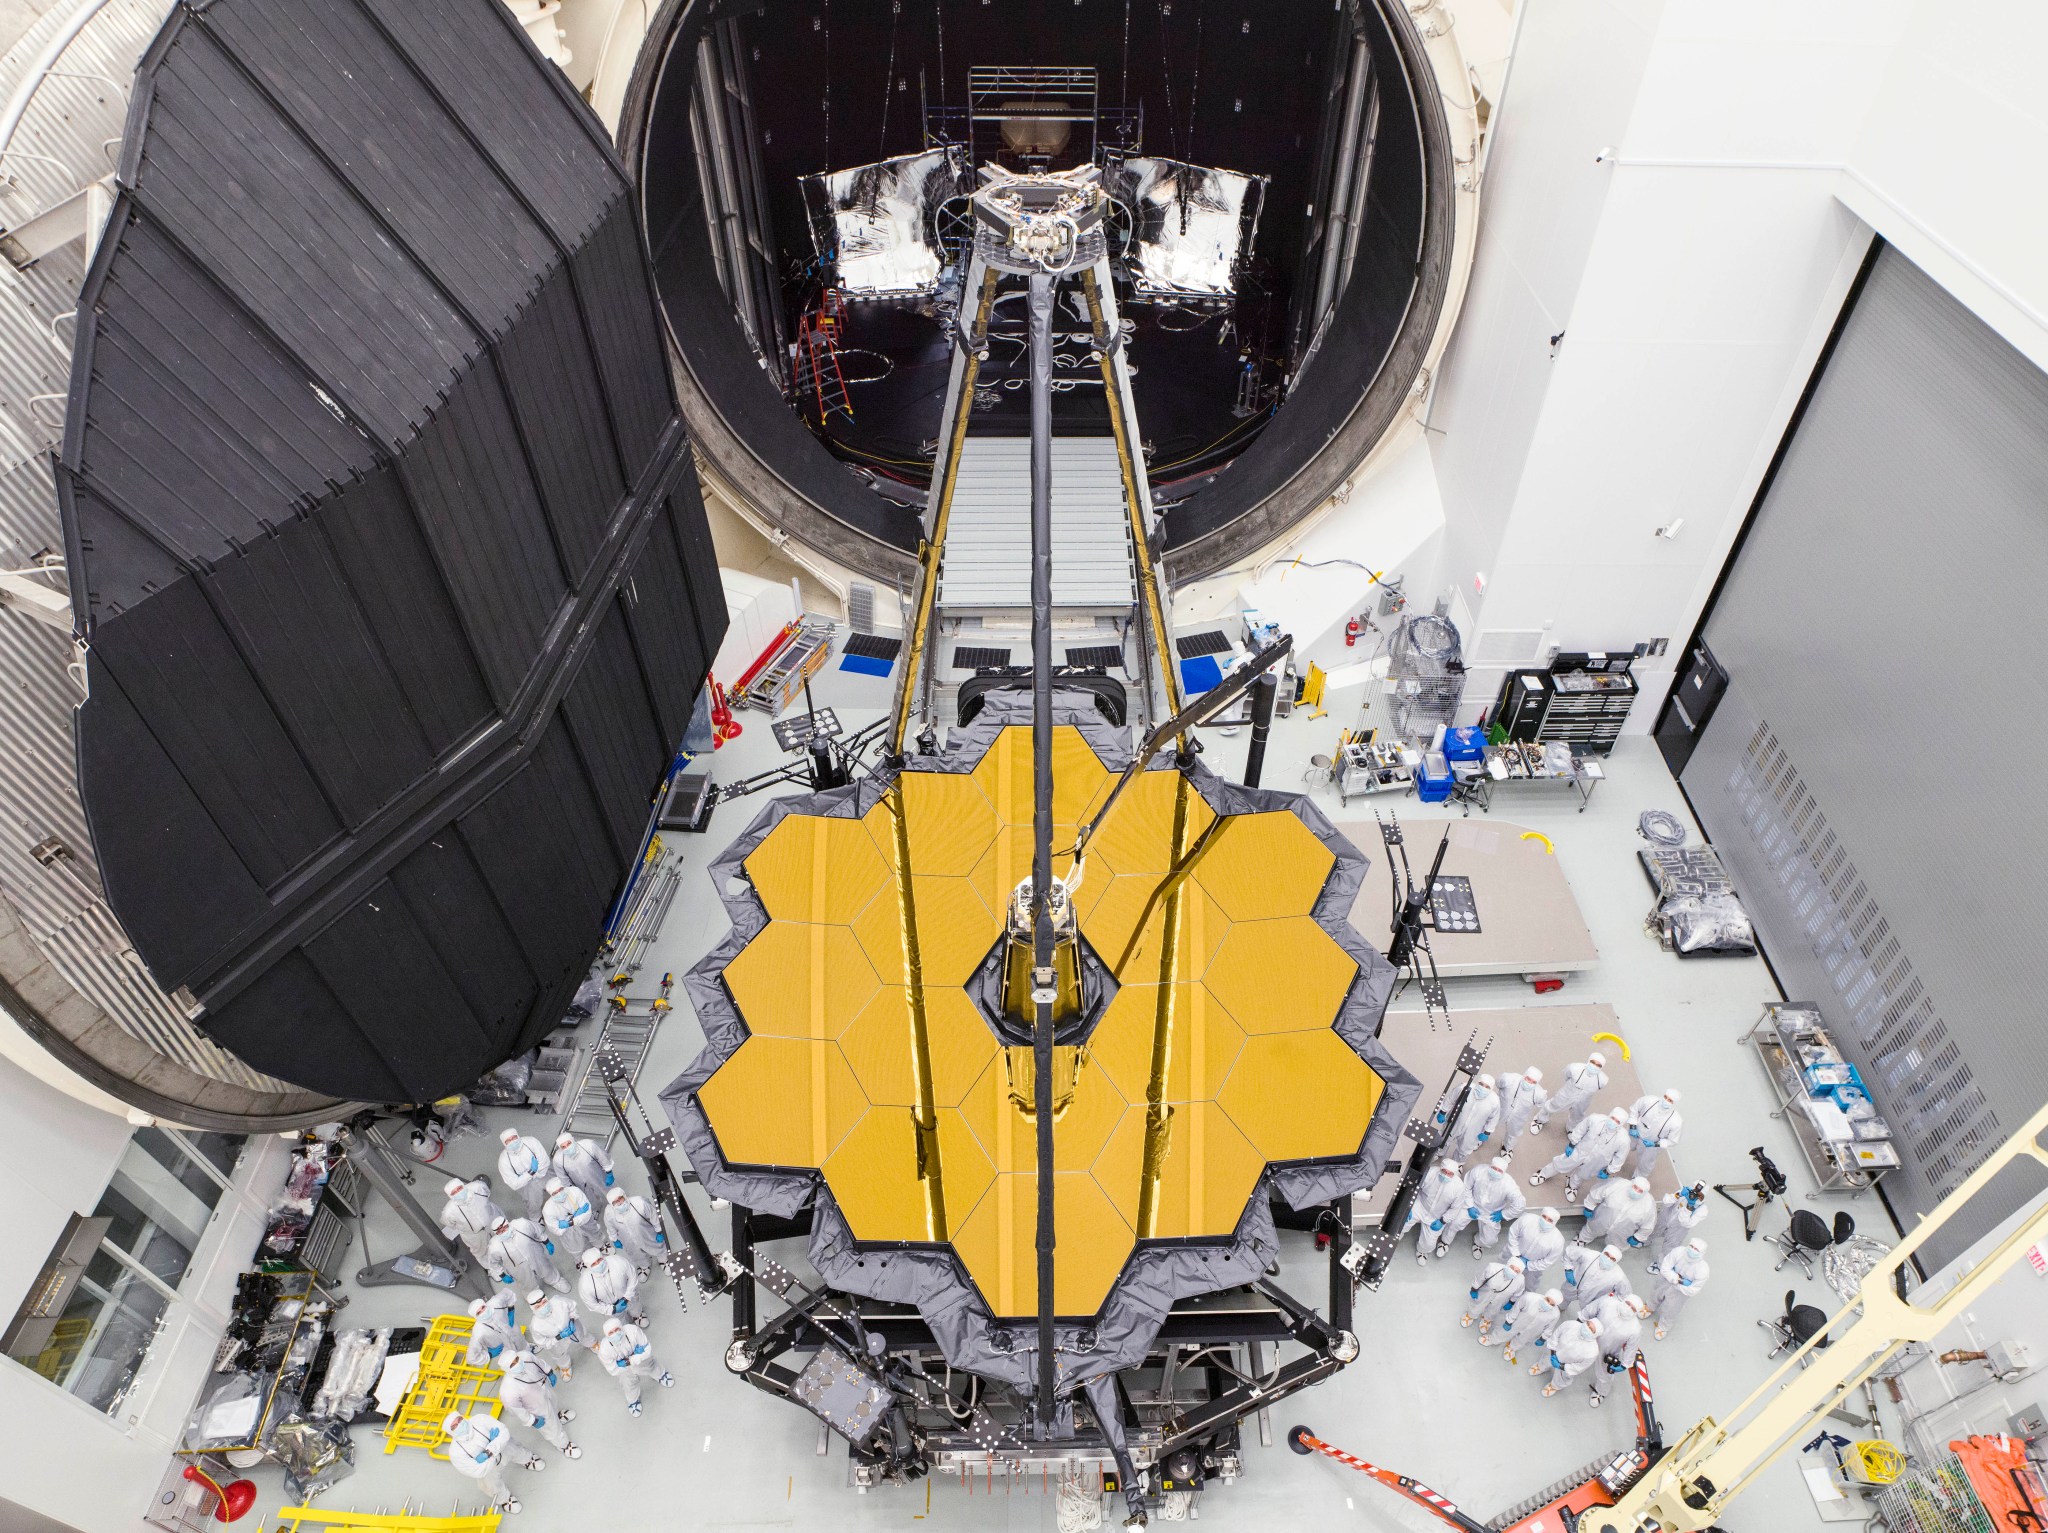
1433	780
1465	743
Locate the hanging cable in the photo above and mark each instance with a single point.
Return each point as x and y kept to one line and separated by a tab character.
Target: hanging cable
888	80
1194	95
828	82
1125	103
1166	70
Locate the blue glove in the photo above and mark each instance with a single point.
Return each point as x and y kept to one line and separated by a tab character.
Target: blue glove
1484	1137
1473	1294
550	1245
1440	1117
1471	1213
1507	1306
618	1245
1436	1224
1570	1281
607	1178
1603	1176
660	1239
619	1307
504	1277
1554	1362
1634	1132
1499	1217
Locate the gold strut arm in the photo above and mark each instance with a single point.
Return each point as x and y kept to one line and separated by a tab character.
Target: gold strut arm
1159	1116
926	1113
928	568
1141	547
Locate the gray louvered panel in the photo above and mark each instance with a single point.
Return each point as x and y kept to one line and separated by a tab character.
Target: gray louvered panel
1881	628
988	540
92	952
70	135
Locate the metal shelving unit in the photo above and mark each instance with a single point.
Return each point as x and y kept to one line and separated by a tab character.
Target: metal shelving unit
1832	1171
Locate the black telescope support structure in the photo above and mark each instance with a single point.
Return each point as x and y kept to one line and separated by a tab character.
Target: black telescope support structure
1265	693
1042	292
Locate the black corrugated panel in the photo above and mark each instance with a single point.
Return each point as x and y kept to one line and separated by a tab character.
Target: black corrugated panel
383	534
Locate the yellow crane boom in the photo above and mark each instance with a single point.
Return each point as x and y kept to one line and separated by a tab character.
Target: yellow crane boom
1685	1490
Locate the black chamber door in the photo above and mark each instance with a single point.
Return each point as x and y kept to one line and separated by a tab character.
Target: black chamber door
1691	704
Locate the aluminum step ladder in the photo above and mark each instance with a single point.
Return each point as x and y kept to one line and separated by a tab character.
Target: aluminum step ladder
630	1034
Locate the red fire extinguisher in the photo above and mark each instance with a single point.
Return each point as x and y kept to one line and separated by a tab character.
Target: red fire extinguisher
1353	627
723	725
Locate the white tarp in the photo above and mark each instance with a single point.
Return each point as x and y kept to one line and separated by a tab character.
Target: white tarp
875	222
1193	224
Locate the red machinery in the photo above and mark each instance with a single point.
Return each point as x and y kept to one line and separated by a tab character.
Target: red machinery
1556	1509
233	1499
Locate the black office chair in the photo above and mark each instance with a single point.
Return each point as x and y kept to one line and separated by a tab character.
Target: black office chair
1808	1236
1798	1325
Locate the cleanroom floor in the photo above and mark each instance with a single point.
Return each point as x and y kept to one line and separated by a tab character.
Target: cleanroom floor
1424	1398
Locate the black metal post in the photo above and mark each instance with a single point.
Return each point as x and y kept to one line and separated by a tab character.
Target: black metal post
1042	293
1265	693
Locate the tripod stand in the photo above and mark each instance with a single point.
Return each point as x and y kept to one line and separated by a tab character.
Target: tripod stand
1760	1195
1770	1183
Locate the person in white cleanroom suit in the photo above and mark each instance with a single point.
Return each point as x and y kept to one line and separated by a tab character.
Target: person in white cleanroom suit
1588	1274
1493	1202
1675	1279
607	1284
626	1355
569	1220
1441	1194
1594	1151
522	1257
1655	1125
527	1393
1678	1215
478	1446
1574	1095
558	1335
634	1226
1536	1238
1528	1325
1574	1347
586	1164
523	1167
1621	1317
1476	1121
495	1332
1489	1299
1521	1098
1620	1213
469	1213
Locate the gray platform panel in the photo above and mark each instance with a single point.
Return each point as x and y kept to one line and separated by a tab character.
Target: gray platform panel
988	540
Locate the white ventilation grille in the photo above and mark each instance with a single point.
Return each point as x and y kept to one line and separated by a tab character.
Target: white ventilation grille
1926	1087
1507	646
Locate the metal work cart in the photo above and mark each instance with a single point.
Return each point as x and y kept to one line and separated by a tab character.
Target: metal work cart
1849	1167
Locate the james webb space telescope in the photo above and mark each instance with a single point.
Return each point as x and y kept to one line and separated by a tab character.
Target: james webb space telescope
1036	1041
